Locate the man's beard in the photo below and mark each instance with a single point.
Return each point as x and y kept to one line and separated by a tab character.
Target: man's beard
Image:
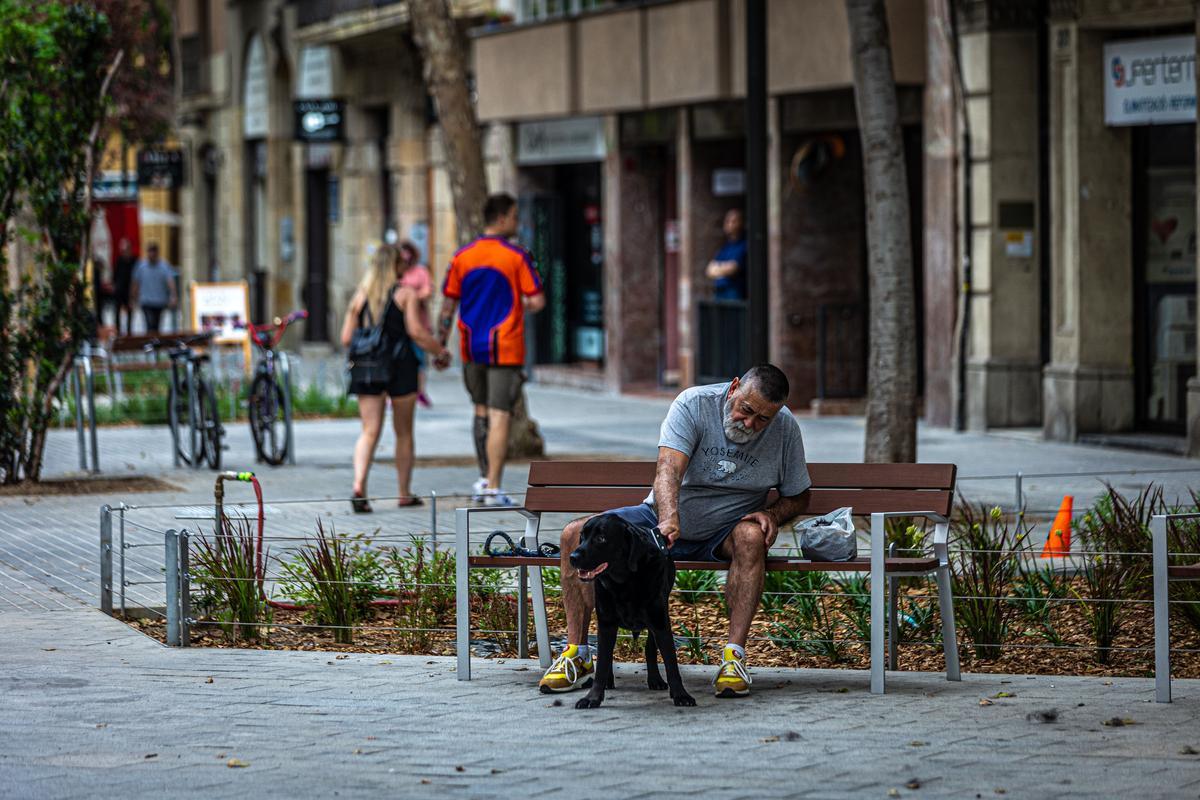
735	431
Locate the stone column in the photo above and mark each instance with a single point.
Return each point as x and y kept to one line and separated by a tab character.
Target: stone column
1004	345
1088	386
1193	386
687	250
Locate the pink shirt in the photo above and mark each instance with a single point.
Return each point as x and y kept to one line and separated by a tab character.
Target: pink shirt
419	279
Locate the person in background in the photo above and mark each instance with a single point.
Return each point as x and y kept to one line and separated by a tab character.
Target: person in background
492	284
416	276
727	270
153	288
122	280
381	300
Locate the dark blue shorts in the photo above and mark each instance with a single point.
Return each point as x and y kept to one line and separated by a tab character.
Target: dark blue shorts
643	516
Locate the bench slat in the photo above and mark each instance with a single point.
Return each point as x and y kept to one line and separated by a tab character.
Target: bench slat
585	500
824	475
773	564
1186	572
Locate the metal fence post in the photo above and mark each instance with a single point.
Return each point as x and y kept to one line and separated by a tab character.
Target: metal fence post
121	520
185	592
433	531
522	612
286	369
91	401
106	600
171	559
77	393
1020	494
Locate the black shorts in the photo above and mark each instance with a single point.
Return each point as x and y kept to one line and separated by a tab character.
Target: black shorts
404	381
493	386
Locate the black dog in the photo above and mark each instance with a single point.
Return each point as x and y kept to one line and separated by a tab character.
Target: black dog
633	576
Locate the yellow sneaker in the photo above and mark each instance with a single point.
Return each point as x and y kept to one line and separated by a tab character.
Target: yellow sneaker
732	678
568	673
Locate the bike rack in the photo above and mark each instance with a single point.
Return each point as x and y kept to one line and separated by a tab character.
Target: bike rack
285	372
83	375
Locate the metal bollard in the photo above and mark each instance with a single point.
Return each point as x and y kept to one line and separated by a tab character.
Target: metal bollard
106	543
433	531
522	612
1019	493
171	562
121	520
77	393
91	401
185	592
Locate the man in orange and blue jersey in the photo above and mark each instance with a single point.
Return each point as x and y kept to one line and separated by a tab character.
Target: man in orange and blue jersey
492	284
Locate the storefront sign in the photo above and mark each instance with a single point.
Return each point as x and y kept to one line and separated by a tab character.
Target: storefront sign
1148	81
1018	244
254	91
315	78
561	141
161	167
222	307
319	120
728	182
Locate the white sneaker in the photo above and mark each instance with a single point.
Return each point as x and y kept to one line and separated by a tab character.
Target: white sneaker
495	497
478	488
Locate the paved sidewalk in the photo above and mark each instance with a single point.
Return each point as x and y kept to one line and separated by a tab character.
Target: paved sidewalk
94	709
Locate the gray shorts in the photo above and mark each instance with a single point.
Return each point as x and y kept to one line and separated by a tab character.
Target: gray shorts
492	386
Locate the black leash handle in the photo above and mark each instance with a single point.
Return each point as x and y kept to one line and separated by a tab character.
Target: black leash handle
544	550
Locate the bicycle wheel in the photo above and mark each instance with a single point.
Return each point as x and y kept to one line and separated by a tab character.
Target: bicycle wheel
209	424
267	423
177	419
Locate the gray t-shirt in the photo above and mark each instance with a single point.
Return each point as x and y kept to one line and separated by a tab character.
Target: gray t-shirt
154	282
725	481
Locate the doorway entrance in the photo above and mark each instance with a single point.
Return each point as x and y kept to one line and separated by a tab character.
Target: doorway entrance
316	291
1164	236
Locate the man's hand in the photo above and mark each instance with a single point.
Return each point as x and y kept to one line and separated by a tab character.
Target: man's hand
669	528
765	521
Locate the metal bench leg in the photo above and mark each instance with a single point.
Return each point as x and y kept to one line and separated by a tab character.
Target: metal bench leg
893	640
1162	611
462	593
878	613
522	612
538	592
949	634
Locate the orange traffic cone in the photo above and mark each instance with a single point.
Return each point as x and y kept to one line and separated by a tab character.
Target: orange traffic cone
1058	543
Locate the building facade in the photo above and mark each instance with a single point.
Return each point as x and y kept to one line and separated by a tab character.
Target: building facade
1066	132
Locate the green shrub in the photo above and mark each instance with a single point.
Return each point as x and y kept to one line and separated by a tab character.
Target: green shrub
223	569
695	585
986	565
423	584
336	578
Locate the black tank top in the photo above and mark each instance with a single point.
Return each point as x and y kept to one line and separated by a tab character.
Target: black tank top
394	329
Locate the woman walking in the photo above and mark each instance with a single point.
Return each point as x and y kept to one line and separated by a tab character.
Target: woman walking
416	276
381	301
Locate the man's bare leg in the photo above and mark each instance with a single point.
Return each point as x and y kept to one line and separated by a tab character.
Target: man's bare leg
577	597
497	445
746	550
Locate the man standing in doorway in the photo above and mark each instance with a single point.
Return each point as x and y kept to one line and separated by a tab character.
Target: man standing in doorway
122	284
727	270
153	288
492	284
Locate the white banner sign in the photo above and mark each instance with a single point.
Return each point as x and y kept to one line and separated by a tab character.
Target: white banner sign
222	307
561	141
1149	81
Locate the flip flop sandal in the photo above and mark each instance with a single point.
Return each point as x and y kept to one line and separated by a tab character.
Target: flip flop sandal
360	504
408	502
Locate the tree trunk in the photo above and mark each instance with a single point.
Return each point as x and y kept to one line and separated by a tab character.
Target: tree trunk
892	367
445	54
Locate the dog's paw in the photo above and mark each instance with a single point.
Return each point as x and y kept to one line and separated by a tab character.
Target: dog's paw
594	702
684	699
656	683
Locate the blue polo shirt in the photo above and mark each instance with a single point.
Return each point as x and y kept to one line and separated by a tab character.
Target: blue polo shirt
734	286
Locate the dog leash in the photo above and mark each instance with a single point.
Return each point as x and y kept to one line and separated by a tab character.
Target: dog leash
544	550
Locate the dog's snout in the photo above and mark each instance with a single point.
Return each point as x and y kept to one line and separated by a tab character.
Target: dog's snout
575	557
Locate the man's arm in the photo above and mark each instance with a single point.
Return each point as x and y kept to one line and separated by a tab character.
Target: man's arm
534	302
721	269
667	478
778	514
446	319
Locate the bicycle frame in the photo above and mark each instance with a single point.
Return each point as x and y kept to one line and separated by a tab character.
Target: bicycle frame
266	338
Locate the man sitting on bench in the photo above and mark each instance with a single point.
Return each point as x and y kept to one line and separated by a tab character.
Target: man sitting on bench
721	450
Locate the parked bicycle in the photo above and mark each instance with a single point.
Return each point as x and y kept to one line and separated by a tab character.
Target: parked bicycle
270	397
196	428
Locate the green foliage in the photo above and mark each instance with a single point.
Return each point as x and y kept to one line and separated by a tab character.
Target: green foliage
856	603
781	589
52	78
986	568
423	582
693	644
223	571
1035	593
1113	533
696	585
1183	539
336	578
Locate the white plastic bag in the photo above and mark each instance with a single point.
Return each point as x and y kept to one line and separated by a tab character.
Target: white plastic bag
827	538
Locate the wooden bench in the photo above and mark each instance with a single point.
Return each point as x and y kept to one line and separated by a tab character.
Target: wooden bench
877	490
1164	574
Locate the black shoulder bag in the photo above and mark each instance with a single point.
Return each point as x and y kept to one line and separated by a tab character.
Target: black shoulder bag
370	355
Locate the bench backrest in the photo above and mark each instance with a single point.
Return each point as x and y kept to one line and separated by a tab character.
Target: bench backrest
591	486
